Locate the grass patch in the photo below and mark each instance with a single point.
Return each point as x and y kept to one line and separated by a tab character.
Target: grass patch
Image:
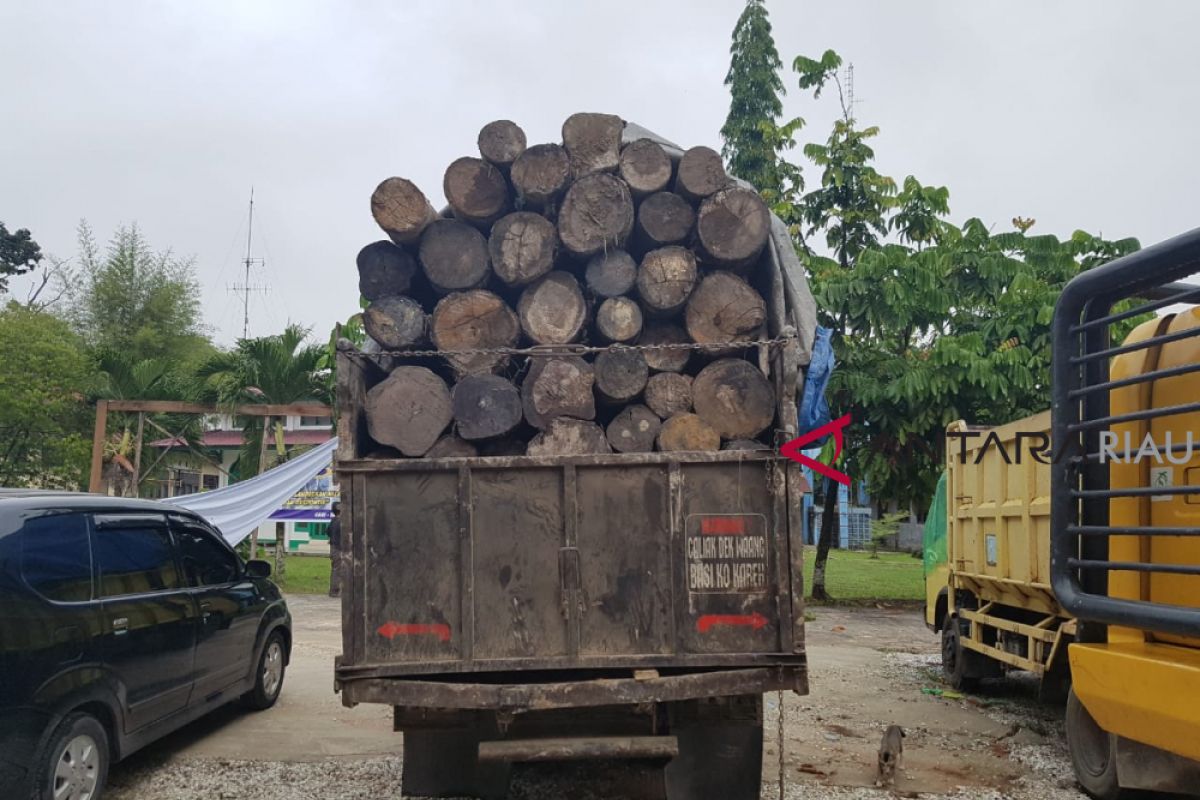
854	576
304	575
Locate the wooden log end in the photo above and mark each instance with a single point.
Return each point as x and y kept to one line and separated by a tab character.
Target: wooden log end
732	228
476	191
621	374
500	142
454	256
611	273
553	310
558	386
735	398
540	175
384	268
569	437
401	210
408	410
593	142
665	280
700	174
596	215
633	430
485	407
395	322
474	320
522	247
645	166
688	433
668	394
619	319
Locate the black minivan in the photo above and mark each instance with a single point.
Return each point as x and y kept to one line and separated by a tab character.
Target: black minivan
120	621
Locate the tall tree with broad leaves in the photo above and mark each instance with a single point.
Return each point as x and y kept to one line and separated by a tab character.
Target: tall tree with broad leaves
19	254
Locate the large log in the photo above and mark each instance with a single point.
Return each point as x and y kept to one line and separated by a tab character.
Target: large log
383	268
619	319
645	166
666	359
666	279
611	274
485	407
621	374
569	437
668	394
522	247
700	174
395	321
553	310
476	191
724	308
401	209
451	446
688	433
596	215
540	175
732	227
633	430
735	398
593	141
408	410
454	256
500	143
557	386
470	321
664	218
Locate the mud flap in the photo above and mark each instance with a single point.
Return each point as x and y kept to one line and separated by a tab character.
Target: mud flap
445	763
720	749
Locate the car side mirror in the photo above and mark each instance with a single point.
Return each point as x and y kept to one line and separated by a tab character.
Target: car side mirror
257	568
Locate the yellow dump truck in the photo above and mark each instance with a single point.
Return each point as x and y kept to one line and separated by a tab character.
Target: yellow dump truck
1081	561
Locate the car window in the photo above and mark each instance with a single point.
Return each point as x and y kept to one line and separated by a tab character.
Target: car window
206	561
56	557
133	555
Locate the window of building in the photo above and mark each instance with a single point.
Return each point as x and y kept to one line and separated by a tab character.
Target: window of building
56	558
315	422
211	482
206	561
133	555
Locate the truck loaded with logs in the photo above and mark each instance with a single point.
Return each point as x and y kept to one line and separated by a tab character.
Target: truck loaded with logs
570	534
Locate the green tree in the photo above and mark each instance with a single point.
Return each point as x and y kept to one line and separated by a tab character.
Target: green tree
19	254
135	300
45	377
282	368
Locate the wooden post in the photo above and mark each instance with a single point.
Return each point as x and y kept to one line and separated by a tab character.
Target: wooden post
262	467
95	480
137	455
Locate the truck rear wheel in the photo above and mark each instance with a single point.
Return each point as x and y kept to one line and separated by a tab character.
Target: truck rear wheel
958	663
720	749
1093	752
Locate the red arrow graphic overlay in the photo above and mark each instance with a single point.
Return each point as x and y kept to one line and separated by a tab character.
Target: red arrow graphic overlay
393	629
709	621
792	449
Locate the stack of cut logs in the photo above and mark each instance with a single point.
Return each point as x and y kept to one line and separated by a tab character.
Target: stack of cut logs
587	242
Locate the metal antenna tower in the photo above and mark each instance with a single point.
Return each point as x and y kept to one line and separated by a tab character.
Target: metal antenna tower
245	288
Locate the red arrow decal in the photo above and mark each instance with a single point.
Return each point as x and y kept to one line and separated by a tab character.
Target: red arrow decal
393	629
792	449
709	621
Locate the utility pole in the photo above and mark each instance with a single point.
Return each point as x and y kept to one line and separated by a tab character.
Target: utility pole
245	288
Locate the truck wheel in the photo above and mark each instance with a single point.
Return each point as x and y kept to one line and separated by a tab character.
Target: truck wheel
957	661
720	750
1093	752
74	763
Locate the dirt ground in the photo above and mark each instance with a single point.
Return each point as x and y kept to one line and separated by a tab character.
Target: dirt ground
869	668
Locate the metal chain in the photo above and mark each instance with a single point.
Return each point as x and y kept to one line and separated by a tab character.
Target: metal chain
575	349
779	747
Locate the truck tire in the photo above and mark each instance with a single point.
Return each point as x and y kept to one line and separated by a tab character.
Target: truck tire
959	667
1093	753
720	749
74	763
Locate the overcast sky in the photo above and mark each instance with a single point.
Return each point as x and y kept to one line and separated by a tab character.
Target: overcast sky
1080	114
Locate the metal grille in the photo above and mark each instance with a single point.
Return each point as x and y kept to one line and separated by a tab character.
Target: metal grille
1080	490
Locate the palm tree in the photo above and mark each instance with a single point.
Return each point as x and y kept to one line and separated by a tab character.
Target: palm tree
269	369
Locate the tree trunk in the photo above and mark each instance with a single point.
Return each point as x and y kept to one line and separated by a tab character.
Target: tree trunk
688	433
395	322
667	359
400	208
451	446
383	268
664	219
645	166
454	256
476	191
470	321
593	141
596	215
724	308
553	311
666	279
700	174
732	227
500	143
569	437
540	175
611	274
619	319
485	407
409	410
829	515
735	398
621	374
558	386
280	551
522	247
634	430
668	394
